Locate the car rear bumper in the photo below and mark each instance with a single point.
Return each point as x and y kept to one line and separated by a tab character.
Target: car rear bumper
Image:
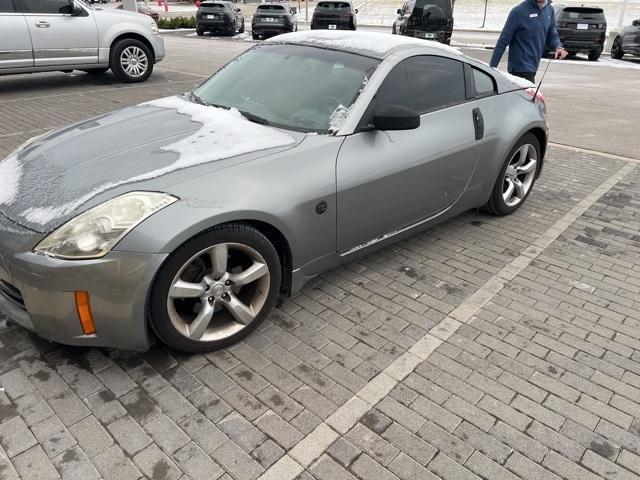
38	293
442	36
214	24
327	26
267	29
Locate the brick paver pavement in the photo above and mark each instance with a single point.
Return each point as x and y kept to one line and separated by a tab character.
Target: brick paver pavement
494	348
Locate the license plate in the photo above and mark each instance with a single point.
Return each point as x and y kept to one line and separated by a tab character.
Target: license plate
429	35
332	27
583	26
211	17
269	19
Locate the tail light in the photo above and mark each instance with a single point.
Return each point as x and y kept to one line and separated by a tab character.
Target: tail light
532	92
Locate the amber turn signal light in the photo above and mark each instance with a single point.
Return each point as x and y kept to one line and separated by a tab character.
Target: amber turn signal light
84	313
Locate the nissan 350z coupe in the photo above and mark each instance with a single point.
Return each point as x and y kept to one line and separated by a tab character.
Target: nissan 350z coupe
114	231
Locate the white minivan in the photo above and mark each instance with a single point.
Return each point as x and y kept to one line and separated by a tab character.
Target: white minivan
48	35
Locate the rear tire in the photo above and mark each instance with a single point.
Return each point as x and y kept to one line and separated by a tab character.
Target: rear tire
199	31
241	28
517	175
123	55
215	289
616	49
594	55
255	36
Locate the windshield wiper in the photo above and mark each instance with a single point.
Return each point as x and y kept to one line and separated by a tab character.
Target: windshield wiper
194	97
254	118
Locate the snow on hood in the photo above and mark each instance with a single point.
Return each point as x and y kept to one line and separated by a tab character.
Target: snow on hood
223	134
378	44
10	174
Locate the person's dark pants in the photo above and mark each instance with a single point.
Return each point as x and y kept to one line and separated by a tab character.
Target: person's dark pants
531	76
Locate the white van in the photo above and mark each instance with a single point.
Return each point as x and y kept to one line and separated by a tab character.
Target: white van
48	35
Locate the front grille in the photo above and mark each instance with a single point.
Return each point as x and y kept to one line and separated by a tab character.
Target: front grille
12	293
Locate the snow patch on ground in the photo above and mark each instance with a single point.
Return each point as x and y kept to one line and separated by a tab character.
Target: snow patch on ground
10	174
369	42
223	134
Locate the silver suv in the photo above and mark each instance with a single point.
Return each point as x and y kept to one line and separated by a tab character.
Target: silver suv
48	35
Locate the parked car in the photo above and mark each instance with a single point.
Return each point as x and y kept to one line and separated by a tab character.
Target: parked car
114	230
273	18
430	19
71	35
221	17
581	29
627	42
144	9
334	15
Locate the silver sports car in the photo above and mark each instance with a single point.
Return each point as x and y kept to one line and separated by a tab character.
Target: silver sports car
187	217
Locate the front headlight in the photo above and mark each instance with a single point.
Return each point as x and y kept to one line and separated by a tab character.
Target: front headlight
154	28
94	233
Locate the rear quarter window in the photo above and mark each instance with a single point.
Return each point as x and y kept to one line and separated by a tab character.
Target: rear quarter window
483	83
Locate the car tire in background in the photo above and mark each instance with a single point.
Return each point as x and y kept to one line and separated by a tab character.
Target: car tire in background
255	36
131	60
215	288
594	55
241	30
516	178
616	49
199	31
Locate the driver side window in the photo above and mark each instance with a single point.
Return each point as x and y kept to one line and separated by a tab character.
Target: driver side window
47	6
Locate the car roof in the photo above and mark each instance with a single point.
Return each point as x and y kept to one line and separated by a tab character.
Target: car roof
372	44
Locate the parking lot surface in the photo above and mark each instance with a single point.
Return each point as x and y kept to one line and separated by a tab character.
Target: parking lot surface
484	348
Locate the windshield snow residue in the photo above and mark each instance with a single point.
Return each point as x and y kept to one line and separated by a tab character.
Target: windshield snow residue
223	134
10	173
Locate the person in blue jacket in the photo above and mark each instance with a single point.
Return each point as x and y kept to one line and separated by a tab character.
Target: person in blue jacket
530	26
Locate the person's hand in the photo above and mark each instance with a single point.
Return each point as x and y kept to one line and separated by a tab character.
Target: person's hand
561	54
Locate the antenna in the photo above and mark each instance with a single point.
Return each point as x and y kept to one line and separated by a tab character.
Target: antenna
535	95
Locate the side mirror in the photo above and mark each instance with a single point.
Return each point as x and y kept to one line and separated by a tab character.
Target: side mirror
636	23
395	117
238	10
294	10
355	11
399	12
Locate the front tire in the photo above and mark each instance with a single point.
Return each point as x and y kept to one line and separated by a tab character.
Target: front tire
616	49
516	178
215	289
131	60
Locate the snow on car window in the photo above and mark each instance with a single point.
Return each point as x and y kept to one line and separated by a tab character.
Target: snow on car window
222	134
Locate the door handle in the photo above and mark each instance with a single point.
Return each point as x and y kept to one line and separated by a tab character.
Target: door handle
42	24
478	123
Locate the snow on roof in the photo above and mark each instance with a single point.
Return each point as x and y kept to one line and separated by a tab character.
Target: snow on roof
368	43
223	134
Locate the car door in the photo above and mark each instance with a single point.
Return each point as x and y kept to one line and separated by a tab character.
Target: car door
634	37
15	42
390	180
60	37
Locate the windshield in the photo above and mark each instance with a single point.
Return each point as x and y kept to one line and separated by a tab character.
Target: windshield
334	6
290	86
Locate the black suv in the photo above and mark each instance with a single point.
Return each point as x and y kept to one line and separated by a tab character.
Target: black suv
627	41
334	16
581	30
273	19
221	16
430	19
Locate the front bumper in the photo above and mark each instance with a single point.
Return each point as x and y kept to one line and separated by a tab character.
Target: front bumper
157	42
38	292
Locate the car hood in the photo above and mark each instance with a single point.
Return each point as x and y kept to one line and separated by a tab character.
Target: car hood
146	147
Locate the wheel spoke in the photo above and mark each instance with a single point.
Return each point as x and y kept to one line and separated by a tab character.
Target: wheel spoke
219	255
182	289
201	322
519	188
251	274
509	192
522	155
241	312
528	167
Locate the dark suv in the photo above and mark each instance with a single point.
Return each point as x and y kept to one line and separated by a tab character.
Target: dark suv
273	19
430	19
334	16
221	16
627	41
581	30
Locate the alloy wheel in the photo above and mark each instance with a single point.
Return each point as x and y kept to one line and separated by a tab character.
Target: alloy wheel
134	61
519	175
218	292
